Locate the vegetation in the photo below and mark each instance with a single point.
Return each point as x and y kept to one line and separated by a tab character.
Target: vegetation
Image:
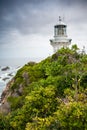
53	96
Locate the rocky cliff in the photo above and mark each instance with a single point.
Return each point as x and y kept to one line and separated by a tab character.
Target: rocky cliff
48	95
5	106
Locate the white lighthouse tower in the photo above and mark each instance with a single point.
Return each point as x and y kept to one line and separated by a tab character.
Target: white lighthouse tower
60	36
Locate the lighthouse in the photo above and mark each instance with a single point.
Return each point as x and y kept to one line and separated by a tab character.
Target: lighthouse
60	36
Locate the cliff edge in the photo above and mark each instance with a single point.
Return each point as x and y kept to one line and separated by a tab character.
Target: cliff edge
48	95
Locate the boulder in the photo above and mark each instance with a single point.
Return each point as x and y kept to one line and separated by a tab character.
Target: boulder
6	78
5	107
5	68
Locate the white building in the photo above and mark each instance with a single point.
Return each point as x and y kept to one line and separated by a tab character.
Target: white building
60	36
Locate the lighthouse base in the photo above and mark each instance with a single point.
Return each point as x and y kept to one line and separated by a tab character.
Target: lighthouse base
58	45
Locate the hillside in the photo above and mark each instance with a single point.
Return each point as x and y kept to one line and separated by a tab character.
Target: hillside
50	95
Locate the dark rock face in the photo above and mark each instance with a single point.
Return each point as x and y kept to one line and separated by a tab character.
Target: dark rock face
31	63
5	105
26	77
6	68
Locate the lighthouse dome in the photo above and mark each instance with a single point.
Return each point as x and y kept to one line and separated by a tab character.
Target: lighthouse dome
60	23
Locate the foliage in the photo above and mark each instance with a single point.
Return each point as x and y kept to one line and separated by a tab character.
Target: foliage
53	96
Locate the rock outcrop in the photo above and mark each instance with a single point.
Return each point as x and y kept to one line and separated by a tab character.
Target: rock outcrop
5	106
5	68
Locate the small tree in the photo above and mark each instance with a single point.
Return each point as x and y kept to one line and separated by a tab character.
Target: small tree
74	48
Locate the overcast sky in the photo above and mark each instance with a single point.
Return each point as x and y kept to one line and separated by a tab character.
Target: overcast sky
27	25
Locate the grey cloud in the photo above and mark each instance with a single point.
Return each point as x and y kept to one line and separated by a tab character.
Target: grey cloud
11	11
20	16
31	16
19	19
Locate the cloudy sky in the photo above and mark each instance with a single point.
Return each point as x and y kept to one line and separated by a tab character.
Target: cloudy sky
27	25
